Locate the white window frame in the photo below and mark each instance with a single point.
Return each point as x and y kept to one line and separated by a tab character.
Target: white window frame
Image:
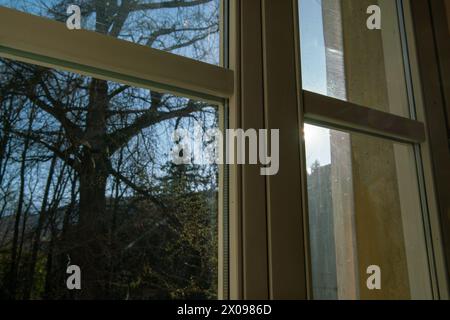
32	39
267	255
270	238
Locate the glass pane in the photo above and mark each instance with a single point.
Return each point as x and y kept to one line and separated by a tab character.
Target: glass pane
187	28
364	210
344	59
87	178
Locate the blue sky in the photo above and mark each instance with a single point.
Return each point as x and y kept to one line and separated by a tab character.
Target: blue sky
314	77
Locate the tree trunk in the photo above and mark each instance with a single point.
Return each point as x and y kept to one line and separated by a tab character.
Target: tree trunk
93	232
49	275
38	232
14	263
62	247
23	232
93	224
4	140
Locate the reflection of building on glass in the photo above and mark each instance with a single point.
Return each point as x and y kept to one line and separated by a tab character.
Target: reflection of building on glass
321	232
364	206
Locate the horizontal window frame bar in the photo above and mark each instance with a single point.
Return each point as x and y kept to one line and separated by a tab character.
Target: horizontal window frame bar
41	41
339	114
88	71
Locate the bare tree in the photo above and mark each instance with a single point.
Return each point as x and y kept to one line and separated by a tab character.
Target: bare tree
97	124
14	261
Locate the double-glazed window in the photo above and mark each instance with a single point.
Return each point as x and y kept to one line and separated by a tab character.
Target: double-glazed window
367	204
88	178
90	127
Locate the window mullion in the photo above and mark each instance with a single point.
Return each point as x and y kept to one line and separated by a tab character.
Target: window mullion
345	115
37	40
287	254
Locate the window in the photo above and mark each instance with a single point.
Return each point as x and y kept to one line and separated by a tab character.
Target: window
316	71
344	59
364	209
349	96
88	177
190	29
367	202
88	138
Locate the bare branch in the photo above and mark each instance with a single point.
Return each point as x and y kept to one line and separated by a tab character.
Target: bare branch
151	117
74	133
136	188
63	155
169	4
